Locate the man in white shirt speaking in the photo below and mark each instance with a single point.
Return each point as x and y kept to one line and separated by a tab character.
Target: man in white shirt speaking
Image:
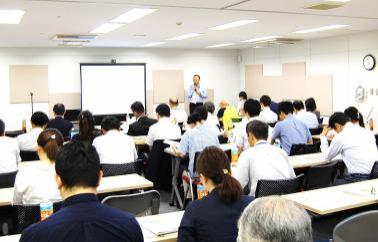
10	154
262	160
28	141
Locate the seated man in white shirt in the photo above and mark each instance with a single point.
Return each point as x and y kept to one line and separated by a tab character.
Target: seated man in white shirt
178	115
262	160
114	147
355	144
211	120
28	141
9	152
309	118
266	114
164	128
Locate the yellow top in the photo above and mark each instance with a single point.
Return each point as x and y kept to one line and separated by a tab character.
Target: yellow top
229	113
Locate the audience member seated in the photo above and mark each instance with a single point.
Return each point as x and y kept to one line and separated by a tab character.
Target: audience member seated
83	217
311	106
192	121
197	139
64	126
266	114
28	141
36	183
87	132
262	160
178	115
309	118
242	98
114	147
230	112
289	130
355	144
211	120
142	123
164	128
214	217
9	152
354	116
274	219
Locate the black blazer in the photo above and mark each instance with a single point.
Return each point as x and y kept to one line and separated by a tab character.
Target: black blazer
64	126
141	126
211	220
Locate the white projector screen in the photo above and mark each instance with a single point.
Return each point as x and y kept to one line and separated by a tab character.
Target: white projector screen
112	88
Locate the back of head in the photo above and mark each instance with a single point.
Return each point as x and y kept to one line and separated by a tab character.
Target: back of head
202	113
223	103
209	107
337	118
243	95
265	100
310	104
258	129
110	123
50	140
214	164
298	105
274	219
39	119
163	110
78	165
2	127
137	107
286	107
86	124
354	115
59	109
173	101
252	107
193	118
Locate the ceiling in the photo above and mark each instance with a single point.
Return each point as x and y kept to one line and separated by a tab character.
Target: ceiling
45	18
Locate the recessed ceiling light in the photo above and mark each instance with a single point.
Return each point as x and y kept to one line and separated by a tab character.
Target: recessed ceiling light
220	45
133	14
261	39
233	24
186	36
106	28
11	16
324	28
154	44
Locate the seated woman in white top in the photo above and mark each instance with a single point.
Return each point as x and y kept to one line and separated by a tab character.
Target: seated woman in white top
28	141
309	118
211	120
9	152
35	183
355	116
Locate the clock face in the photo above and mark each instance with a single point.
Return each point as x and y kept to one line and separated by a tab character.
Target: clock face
369	62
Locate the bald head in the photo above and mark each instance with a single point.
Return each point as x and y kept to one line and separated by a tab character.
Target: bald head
173	102
223	103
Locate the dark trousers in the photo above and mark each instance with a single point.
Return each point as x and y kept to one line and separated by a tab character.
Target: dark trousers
193	106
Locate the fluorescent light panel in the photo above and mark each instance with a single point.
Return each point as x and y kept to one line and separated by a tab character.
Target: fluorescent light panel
154	44
106	28
133	14
220	45
233	24
185	36
261	39
319	29
11	16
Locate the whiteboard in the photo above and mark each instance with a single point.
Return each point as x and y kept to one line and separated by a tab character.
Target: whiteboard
112	88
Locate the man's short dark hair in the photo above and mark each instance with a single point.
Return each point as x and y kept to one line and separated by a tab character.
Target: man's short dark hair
196	75
243	95
209	107
2	127
258	129
137	107
78	165
163	110
39	119
59	109
202	113
298	105
337	118
252	107
286	107
310	104
193	118
265	100
109	123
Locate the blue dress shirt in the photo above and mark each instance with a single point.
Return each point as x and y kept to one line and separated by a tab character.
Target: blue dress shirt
195	97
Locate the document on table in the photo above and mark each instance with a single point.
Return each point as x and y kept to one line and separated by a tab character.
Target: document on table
163	223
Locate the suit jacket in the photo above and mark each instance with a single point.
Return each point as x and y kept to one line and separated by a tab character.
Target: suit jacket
141	126
64	126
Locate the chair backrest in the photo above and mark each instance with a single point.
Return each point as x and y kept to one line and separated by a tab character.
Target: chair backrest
28	155
279	187
222	139
28	214
138	204
181	125
122	169
302	149
272	124
321	176
374	171
359	227
7	179
316	131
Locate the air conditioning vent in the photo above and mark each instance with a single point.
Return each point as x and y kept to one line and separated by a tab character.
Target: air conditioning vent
324	6
73	37
287	41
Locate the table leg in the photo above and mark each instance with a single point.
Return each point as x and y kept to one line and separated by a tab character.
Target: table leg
175	190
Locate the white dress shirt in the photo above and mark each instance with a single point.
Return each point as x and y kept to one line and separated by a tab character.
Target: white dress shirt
268	116
163	129
28	141
9	154
308	118
241	136
263	161
35	184
115	147
212	121
356	146
178	115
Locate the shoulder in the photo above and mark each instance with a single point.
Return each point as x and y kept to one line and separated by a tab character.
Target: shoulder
245	200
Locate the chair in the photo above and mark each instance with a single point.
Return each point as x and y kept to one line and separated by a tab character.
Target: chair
279	187
122	169
320	176
222	139
272	124
29	155
188	179
374	171
302	149
139	204
181	125
359	227
316	131
28	214
7	179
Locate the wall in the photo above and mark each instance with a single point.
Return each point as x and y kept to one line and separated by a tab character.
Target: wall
219	69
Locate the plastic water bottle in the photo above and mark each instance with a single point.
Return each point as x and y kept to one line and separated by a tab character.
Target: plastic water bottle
46	209
201	191
234	154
